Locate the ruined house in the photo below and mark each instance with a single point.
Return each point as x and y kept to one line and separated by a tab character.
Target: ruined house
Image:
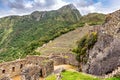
14	68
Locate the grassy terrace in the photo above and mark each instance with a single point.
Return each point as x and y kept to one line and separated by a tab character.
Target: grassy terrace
69	75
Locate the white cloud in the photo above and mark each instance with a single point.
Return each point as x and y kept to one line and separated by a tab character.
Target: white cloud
83	3
22	7
112	6
28	5
88	6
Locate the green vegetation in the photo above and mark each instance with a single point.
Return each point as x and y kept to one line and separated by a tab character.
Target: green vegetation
69	75
21	35
51	77
85	43
114	78
93	19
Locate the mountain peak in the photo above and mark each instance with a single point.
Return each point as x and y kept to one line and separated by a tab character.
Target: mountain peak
69	6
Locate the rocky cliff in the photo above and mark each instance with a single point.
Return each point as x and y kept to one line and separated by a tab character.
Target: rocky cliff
104	57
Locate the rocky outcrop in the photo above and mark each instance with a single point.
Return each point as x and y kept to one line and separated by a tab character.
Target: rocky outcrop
104	58
112	25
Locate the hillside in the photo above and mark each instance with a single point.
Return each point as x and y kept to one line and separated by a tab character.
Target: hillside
21	35
65	43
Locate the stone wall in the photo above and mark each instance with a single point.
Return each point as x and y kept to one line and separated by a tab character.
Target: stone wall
48	68
31	72
36	60
58	60
44	62
64	58
71	59
13	68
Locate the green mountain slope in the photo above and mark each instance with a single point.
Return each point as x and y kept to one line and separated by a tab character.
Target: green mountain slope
21	35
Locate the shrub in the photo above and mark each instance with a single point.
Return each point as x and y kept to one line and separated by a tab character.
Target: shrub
85	43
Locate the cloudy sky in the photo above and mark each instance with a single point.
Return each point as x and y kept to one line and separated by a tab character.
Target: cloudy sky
23	7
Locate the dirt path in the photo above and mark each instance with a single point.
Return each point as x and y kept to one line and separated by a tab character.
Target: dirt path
66	67
16	78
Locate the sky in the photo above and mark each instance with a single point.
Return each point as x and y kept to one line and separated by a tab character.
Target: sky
23	7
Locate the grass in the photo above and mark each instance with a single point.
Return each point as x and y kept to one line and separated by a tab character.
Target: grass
113	78
69	75
51	77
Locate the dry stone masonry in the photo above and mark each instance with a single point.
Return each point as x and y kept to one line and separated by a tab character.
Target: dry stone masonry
31	72
29	68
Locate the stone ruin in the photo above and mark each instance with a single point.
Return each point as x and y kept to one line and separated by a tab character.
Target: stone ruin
31	72
30	68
